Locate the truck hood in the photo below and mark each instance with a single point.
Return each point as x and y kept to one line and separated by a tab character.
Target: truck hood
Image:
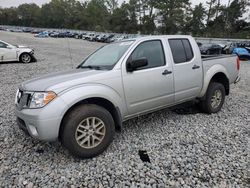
60	81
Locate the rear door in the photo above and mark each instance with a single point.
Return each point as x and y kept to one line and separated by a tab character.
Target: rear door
150	87
187	68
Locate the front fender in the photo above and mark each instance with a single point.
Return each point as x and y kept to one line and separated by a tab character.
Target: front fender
79	93
209	75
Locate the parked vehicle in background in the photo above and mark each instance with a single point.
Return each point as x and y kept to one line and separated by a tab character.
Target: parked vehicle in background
43	34
35	31
94	38
17	30
210	49
80	36
9	53
98	38
199	44
62	35
27	30
242	53
69	34
83	107
120	38
102	38
248	49
53	34
89	36
112	39
106	38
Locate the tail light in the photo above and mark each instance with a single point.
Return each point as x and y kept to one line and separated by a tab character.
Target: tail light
238	63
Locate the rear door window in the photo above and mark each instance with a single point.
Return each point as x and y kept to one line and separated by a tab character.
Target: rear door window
181	50
188	49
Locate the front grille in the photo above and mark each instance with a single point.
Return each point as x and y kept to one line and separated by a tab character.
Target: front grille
23	99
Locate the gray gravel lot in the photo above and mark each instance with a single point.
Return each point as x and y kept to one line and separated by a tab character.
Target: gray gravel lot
191	150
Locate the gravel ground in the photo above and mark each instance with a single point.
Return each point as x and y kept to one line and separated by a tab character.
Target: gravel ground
186	150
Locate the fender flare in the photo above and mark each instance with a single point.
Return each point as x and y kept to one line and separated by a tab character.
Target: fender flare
215	69
102	92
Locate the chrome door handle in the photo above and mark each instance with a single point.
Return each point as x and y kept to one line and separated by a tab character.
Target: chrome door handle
195	67
166	72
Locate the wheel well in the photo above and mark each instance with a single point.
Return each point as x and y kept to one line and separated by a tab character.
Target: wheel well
114	111
221	78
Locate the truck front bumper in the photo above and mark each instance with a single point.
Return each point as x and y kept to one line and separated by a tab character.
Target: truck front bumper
44	123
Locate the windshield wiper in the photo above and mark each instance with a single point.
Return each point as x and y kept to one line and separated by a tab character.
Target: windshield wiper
90	67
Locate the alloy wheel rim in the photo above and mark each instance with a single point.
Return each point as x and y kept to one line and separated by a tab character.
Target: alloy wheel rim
90	132
216	99
25	58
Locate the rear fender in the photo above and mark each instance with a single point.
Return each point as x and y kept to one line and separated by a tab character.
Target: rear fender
209	75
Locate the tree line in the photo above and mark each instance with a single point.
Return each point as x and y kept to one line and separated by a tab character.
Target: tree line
210	19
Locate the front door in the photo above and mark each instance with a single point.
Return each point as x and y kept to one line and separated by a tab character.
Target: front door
7	54
149	87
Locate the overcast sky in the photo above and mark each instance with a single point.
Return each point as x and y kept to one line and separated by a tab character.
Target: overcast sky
9	3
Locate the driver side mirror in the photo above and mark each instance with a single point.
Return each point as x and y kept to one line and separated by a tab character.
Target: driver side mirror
9	47
137	63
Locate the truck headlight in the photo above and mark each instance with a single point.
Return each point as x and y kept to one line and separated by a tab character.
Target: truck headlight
40	99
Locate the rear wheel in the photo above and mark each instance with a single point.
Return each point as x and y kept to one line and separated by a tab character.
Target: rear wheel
214	99
88	130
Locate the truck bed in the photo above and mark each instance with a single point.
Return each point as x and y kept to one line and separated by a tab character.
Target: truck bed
228	62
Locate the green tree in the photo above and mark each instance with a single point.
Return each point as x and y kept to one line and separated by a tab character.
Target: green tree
112	5
173	14
29	14
98	15
9	16
53	14
234	13
146	16
119	20
197	22
211	10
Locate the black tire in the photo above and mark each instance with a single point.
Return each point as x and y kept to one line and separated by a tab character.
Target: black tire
206	105
25	58
71	123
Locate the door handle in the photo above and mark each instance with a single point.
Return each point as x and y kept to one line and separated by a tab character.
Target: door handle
166	72
195	67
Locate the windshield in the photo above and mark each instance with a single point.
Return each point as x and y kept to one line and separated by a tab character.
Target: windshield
107	56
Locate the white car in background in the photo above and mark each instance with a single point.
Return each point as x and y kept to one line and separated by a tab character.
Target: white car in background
12	53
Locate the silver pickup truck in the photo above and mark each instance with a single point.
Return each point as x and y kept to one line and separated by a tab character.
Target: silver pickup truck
83	107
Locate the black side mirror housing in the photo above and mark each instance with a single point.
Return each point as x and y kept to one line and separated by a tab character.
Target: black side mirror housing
137	63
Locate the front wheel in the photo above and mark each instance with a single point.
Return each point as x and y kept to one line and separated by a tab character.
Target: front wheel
88	130
25	58
214	99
